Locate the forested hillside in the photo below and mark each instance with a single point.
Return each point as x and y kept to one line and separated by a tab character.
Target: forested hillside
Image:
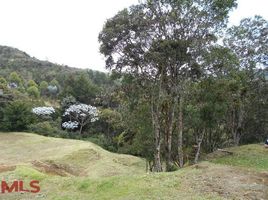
12	59
178	87
30	68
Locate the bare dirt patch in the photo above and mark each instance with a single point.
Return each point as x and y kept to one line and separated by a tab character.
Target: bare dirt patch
6	168
52	168
231	183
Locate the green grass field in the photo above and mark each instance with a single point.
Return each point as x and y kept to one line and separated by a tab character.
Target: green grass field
250	156
71	169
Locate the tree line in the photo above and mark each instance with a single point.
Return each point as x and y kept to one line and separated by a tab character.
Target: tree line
191	82
181	84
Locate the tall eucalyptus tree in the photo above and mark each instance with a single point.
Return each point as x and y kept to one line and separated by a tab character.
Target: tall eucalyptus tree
161	43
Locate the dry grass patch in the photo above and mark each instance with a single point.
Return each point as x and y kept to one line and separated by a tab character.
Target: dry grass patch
64	157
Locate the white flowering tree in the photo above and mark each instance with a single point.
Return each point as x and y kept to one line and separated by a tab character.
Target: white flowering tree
80	114
44	112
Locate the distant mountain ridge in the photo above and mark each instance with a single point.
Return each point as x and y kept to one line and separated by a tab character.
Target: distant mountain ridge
13	59
11	52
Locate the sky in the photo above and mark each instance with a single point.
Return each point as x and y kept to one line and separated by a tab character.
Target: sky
66	31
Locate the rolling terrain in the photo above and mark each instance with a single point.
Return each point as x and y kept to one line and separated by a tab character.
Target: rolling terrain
13	59
71	169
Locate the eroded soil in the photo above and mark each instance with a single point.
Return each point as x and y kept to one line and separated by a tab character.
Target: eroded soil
231	182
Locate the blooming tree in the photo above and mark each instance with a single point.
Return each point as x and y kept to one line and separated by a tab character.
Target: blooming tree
43	111
80	114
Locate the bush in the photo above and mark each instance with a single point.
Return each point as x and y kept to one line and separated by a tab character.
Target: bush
33	92
17	116
43	128
103	141
48	129
52	129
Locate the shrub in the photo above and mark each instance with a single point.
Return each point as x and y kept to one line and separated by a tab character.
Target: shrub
47	129
52	129
33	92
17	116
103	141
43	128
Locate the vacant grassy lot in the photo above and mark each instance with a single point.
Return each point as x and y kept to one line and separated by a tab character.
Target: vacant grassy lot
250	156
66	156
70	170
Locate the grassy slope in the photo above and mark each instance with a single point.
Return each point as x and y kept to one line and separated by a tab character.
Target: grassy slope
81	157
249	156
104	175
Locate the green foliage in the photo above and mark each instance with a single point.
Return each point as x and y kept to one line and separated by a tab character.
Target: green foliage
103	141
17	116
48	128
15	78
99	78
43	87
66	102
112	118
33	92
53	88
80	87
248	156
54	82
148	42
31	68
3	83
30	173
32	83
155	65
138	138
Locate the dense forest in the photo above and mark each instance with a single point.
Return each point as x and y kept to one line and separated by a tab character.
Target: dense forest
181	84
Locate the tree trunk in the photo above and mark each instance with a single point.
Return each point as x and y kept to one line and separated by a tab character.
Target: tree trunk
157	156
169	145
199	142
169	135
237	127
80	130
180	137
157	140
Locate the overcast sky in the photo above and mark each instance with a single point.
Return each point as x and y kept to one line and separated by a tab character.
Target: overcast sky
66	31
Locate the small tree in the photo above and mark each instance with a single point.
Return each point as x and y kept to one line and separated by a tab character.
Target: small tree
54	82
32	83
52	90
43	87
67	102
33	92
3	80
15	78
17	116
81	114
3	83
